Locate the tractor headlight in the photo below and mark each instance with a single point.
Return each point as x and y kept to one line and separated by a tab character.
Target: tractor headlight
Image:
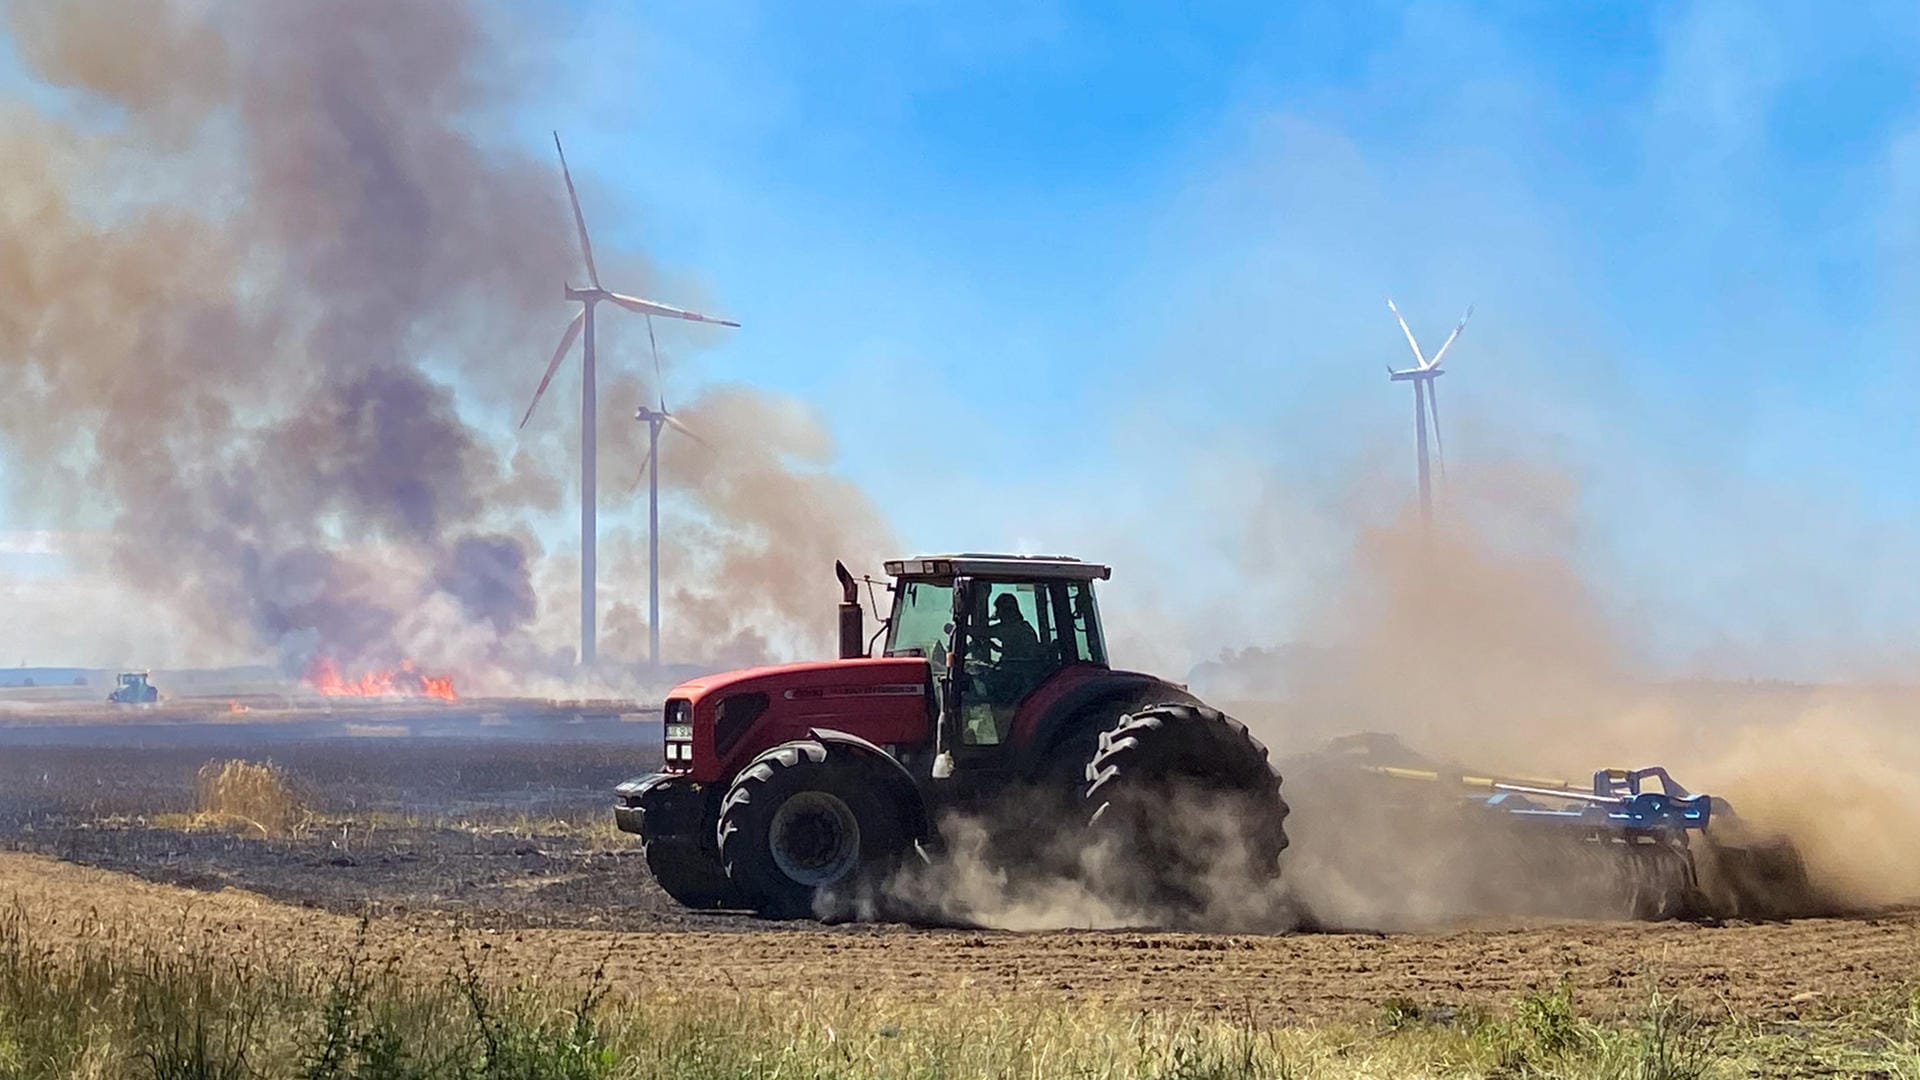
678	750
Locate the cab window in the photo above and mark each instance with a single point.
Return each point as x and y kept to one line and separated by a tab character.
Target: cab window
1085	620
921	612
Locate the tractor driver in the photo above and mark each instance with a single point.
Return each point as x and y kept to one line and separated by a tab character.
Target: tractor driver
1017	664
1011	660
1010	632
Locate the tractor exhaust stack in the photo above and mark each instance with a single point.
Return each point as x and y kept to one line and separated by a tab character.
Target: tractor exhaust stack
853	627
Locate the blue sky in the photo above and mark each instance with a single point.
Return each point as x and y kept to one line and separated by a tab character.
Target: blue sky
1149	247
1109	279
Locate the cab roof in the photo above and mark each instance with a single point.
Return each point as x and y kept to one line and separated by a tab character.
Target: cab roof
976	564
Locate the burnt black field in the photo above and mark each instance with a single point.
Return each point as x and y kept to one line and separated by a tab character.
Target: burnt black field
495	816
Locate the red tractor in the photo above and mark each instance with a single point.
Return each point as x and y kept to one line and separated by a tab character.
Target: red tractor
791	789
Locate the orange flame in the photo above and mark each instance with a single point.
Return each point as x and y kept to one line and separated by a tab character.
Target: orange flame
403	681
236	707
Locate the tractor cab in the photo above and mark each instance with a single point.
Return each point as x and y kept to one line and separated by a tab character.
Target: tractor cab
995	628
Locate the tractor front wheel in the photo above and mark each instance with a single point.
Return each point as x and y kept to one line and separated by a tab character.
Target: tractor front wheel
691	876
805	828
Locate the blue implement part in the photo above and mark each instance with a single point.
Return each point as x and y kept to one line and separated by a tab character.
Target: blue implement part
1645	811
1622	800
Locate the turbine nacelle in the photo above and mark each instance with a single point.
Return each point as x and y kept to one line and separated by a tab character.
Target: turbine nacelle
660	416
1414	373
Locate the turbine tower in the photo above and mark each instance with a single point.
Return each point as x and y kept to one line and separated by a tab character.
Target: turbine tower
587	298
655	419
1421	375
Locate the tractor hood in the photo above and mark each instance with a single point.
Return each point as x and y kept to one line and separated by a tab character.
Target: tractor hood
736	714
816	680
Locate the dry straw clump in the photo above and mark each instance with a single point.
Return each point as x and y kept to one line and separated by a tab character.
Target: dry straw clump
260	794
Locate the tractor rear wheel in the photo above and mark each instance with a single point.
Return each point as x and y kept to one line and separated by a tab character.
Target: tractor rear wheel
805	827
1181	802
690	875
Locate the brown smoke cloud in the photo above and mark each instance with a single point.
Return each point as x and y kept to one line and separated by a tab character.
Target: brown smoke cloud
237	265
772	519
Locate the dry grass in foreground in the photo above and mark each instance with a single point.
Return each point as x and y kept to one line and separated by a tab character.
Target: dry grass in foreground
252	793
263	798
111	1006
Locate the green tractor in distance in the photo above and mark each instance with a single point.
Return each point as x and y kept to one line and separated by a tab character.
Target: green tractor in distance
790	789
134	689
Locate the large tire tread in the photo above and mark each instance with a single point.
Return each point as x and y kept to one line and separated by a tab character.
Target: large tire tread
778	774
1140	735
1153	754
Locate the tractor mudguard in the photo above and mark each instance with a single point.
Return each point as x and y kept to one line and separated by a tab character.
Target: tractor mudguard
1085	707
917	823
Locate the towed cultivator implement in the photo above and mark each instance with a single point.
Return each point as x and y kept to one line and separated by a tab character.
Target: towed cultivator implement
1634	843
1621	831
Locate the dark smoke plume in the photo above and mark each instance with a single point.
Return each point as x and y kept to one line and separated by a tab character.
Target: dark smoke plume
238	261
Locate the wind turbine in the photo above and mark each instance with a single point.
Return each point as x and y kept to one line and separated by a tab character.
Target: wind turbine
655	419
1421	376
587	298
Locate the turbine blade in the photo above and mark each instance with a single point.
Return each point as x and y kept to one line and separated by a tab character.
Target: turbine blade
675	424
1433	407
1412	344
648	307
579	220
1445	345
553	365
659	387
643	472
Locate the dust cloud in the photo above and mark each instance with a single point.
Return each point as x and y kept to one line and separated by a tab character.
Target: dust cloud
268	309
995	870
1485	646
1840	776
969	884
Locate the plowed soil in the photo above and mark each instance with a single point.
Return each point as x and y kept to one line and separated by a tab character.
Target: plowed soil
1770	971
487	850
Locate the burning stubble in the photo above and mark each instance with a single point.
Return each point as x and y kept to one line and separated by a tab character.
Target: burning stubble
240	259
